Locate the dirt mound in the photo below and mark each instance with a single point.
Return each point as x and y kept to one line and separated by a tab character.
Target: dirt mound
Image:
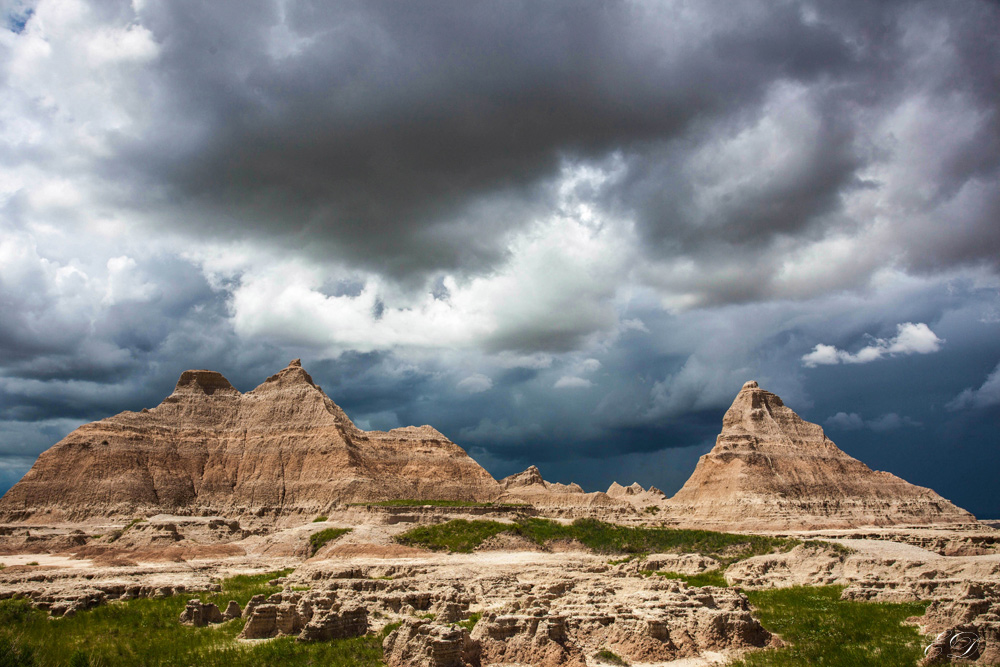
771	470
283	448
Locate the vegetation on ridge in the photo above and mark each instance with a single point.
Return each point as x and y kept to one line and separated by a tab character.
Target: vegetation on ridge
413	502
818	628
147	632
464	536
317	540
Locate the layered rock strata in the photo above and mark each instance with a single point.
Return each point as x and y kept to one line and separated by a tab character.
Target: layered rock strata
770	470
283	447
538	614
529	487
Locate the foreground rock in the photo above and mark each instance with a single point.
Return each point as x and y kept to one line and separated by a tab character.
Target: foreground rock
282	448
537	609
770	470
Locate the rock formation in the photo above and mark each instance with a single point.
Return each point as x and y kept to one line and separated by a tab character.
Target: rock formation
283	447
769	469
529	487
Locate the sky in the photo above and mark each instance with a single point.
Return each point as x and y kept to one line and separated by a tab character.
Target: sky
564	233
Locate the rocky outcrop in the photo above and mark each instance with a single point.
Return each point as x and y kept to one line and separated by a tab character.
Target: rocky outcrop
559	612
281	448
200	614
420	643
769	469
529	487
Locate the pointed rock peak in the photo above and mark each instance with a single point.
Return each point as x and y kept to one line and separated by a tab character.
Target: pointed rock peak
616	490
527	478
203	382
762	415
290	375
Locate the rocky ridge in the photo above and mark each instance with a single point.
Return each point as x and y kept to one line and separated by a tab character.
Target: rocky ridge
282	448
771	470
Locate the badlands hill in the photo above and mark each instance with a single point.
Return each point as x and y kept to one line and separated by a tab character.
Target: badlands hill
770	470
283	447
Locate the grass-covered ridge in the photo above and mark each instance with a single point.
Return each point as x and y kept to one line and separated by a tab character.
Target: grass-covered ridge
147	632
318	539
410	502
463	536
709	578
819	628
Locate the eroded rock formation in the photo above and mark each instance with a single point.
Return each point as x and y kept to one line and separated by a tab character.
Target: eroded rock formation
208	449
529	487
769	469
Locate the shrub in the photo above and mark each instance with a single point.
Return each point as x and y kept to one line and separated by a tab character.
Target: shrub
320	519
317	540
604	655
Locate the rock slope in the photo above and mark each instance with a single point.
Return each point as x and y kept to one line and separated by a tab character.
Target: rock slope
283	447
770	470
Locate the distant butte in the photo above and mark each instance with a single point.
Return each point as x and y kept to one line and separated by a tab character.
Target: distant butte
281	448
771	470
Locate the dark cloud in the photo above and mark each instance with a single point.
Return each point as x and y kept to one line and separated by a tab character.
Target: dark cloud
412	139
562	233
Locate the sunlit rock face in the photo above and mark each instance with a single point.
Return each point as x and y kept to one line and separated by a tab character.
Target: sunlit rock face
283	447
770	469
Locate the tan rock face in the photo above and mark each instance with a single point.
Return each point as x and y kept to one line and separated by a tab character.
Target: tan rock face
282	447
769	469
529	487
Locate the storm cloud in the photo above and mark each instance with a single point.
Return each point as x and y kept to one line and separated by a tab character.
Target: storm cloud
564	233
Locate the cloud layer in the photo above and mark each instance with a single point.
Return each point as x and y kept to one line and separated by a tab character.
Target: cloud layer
563	233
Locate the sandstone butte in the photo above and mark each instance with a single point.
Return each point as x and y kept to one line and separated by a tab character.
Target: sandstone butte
771	470
281	448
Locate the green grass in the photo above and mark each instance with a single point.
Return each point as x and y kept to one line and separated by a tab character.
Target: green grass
320	519
819	628
464	536
32	563
242	587
651	509
470	622
317	540
709	578
146	632
411	502
609	657
458	535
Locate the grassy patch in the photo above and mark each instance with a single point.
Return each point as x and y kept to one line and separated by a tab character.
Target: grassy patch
317	540
320	519
835	547
709	578
652	509
464	536
411	502
459	535
470	622
610	657
820	628
243	587
32	563
147	632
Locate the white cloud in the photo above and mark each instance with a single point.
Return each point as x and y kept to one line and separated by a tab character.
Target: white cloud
476	384
988	394
572	382
843	421
910	339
